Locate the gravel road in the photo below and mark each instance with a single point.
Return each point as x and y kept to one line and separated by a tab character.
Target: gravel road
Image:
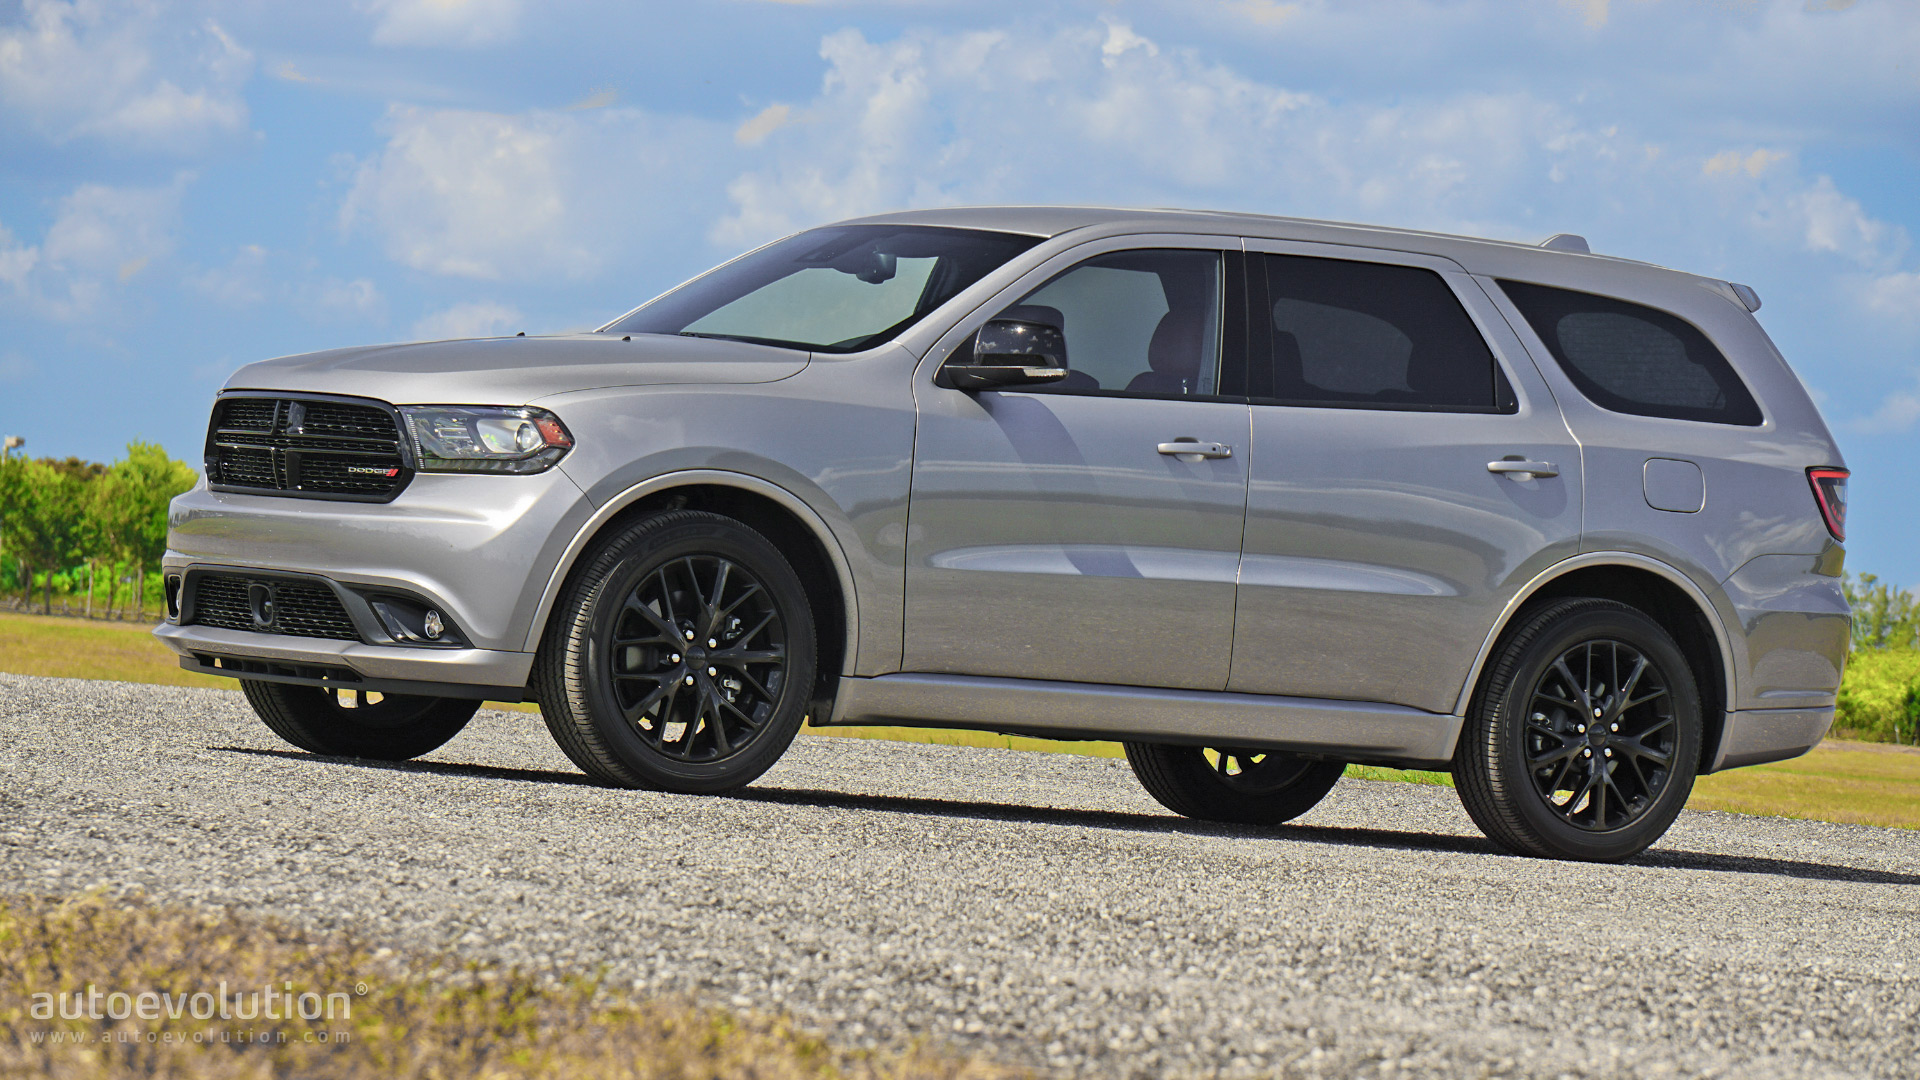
1035	907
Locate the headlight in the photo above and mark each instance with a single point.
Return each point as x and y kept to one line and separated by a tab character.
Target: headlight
479	438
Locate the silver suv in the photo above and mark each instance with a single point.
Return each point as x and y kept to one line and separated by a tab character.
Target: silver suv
1255	496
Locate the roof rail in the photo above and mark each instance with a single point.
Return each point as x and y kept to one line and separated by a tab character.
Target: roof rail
1567	241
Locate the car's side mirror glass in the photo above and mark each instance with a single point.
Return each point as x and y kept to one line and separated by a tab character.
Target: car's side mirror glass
1008	352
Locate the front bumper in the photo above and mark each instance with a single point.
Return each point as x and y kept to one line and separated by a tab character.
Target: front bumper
477	673
480	547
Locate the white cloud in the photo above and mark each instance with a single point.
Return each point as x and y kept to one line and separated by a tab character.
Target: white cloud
335	300
467	321
764	123
1732	161
1897	413
100	236
241	283
443	23
122	72
531	195
1894	296
16	260
1839	224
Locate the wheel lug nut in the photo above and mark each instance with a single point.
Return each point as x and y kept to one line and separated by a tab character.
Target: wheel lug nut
674	659
713	671
713	643
1583	753
1583	729
1615	727
1596	714
689	635
689	680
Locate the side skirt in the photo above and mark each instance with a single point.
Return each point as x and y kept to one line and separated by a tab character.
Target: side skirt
1357	731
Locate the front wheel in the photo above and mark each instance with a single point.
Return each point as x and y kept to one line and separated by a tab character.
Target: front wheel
1247	787
357	723
1584	740
680	658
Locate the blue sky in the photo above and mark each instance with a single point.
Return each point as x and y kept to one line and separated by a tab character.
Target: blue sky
186	187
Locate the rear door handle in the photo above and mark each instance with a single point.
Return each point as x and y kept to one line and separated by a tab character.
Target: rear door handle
1538	469
1192	450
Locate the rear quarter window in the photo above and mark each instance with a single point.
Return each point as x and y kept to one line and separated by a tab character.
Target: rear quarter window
1630	358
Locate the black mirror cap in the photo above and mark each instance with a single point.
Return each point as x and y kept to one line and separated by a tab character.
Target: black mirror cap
1016	342
1007	352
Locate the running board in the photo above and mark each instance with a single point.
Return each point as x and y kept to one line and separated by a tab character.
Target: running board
1358	731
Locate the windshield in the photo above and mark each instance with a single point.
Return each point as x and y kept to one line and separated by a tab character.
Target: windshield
839	289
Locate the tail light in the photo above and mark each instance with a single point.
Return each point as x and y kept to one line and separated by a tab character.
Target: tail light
1830	491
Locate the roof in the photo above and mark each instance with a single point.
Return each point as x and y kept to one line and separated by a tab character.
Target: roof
1474	253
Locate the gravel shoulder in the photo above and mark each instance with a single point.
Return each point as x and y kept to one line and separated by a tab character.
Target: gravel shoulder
1038	908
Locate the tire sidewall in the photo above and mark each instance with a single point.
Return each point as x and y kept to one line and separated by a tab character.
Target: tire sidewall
647	552
1628	627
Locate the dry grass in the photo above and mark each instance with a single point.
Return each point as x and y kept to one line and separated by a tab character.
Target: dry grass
1849	782
1859	783
393	1017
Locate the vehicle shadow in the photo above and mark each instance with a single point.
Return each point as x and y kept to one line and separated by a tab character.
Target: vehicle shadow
1116	820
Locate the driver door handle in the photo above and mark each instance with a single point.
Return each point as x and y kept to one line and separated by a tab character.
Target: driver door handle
1537	469
1190	449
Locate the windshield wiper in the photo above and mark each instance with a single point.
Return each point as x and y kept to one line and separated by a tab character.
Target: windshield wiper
776	342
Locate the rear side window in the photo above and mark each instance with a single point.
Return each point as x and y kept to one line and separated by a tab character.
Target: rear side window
1631	358
1368	335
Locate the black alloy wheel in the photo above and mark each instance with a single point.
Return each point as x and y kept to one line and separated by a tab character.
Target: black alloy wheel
1233	784
697	656
681	656
358	723
1584	739
1601	735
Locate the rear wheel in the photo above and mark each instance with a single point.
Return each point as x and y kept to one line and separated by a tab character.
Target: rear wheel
1249	787
1585	738
680	658
356	723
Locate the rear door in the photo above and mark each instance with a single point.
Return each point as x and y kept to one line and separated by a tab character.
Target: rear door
1410	472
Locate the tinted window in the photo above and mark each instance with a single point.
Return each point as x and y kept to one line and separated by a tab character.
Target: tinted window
1369	335
1631	358
1142	322
837	289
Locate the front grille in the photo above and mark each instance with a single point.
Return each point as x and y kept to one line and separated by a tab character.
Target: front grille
300	608
307	447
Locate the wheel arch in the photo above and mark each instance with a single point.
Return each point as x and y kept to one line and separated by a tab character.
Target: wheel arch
776	513
1663	593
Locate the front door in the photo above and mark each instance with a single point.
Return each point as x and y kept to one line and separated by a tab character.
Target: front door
1393	508
1051	534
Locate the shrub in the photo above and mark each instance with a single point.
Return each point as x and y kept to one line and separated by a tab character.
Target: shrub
1880	697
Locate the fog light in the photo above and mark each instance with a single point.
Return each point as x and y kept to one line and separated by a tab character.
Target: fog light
432	624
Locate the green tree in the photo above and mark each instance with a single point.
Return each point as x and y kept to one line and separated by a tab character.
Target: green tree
1883	617
129	508
47	520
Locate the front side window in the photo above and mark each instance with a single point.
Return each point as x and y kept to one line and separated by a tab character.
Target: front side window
839	289
1631	358
1369	335
1135	322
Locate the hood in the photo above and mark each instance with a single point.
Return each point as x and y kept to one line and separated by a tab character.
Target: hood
517	370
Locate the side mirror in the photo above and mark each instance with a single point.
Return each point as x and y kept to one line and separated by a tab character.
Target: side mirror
1008	352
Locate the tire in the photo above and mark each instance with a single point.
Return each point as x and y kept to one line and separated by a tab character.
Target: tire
1246	787
347	723
681	657
1583	741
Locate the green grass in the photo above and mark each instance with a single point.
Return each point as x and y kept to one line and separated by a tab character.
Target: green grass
1862	783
